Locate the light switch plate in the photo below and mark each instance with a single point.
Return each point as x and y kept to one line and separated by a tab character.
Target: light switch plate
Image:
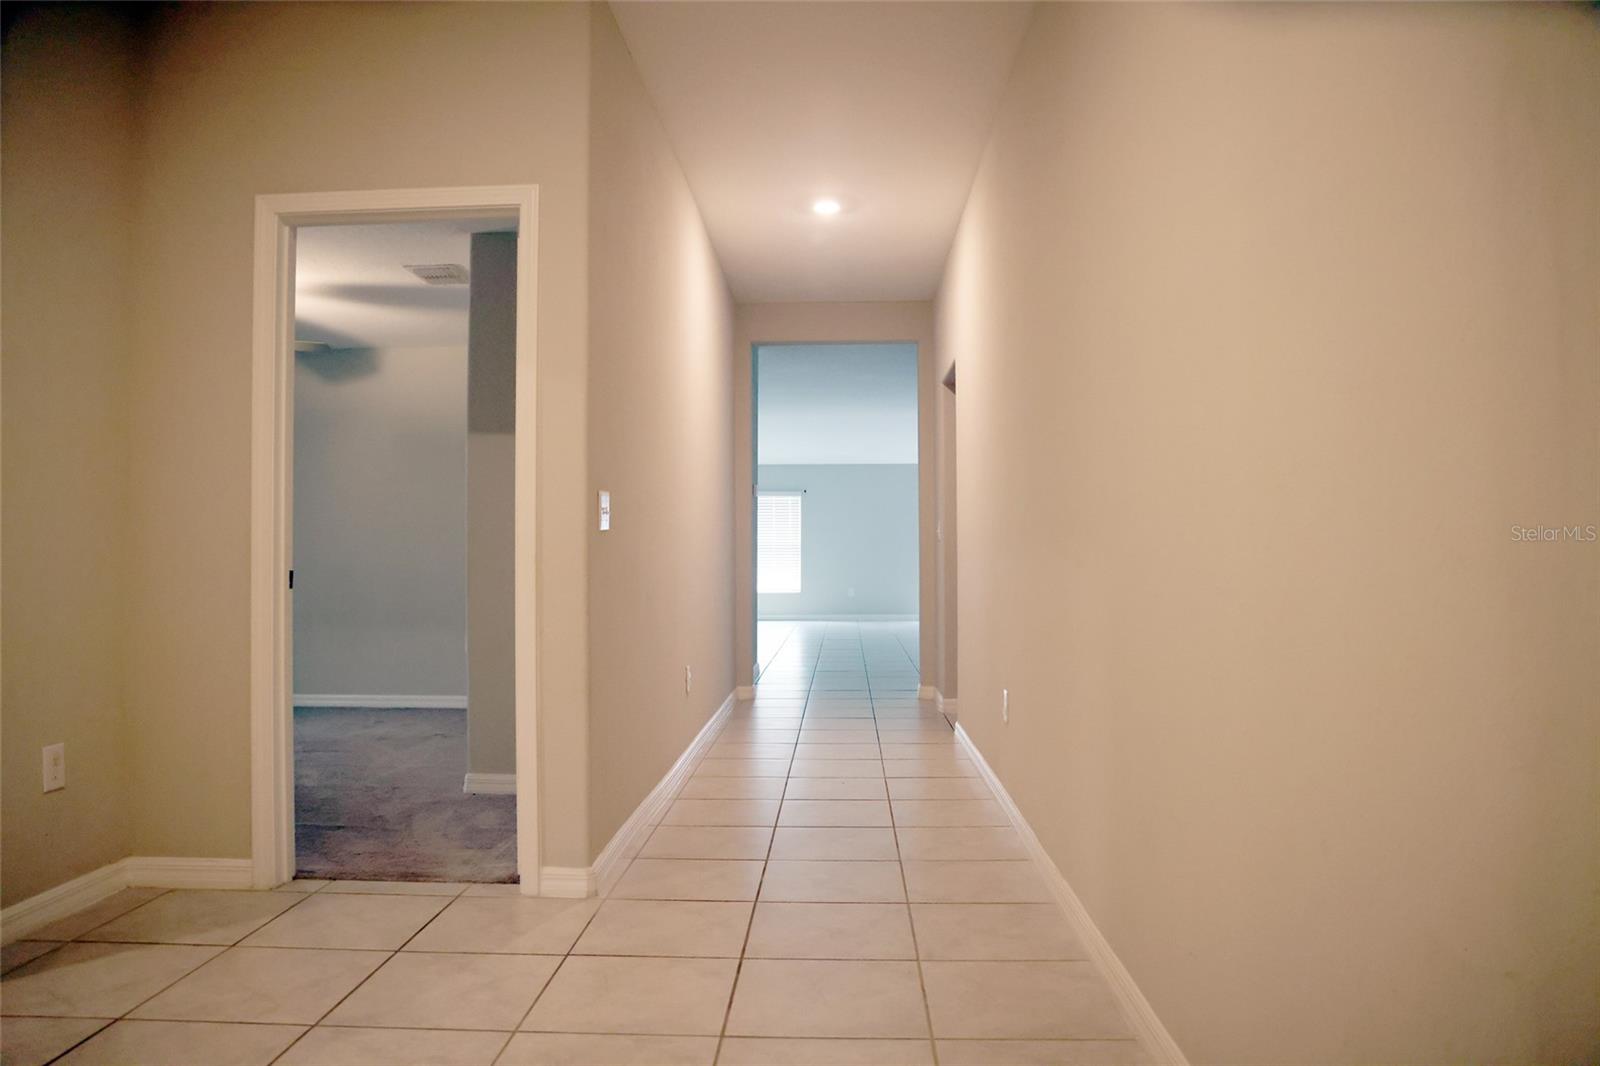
55	767
605	510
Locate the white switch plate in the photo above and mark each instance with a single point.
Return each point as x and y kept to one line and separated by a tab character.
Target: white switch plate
688	680
1005	705
605	510
55	767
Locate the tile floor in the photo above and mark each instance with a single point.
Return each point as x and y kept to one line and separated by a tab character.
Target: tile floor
834	885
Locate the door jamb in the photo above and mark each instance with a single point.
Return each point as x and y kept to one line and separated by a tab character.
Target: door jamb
271	442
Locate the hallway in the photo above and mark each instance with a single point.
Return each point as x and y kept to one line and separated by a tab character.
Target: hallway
833	884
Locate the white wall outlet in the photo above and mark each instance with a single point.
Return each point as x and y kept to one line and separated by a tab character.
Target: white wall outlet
1005	705
688	680
55	767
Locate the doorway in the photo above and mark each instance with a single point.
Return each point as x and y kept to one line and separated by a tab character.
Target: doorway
837	507
392	470
403	708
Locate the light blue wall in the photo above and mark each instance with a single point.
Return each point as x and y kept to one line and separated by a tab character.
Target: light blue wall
858	532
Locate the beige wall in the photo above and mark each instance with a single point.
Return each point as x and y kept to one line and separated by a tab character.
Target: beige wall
66	171
831	323
269	98
660	440
491	506
946	672
1272	322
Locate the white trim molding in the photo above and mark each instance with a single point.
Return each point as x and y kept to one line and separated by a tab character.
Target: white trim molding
36	912
630	837
383	703
946	707
1157	1042
566	882
576	882
490	784
745	692
272	497
927	692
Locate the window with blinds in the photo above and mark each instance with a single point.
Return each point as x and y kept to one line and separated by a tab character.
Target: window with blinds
778	541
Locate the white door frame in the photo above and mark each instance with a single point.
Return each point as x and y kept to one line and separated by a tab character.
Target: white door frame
271	499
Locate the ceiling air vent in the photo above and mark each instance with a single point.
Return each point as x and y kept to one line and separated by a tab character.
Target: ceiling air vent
439	273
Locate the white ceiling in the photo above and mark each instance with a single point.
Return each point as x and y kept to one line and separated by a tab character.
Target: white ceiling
836	403
352	289
883	106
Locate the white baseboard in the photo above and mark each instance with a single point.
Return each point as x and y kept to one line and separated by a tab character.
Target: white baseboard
1157	1042
946	707
490	784
161	872
837	618
387	703
627	841
927	692
745	692
35	912
566	882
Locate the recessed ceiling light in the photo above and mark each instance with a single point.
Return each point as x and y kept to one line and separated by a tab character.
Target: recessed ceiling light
826	207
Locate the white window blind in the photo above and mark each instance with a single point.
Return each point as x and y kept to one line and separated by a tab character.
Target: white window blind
778	541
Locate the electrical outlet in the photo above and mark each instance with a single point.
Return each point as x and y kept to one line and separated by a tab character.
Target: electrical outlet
1005	706
55	767
688	680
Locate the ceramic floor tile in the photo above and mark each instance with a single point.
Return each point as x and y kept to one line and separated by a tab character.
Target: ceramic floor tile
836	788
1021	1001
975	882
970	844
21	951
791	1051
304	884
831	844
439	991
737	750
840	813
897	749
184	1044
492	890
821	999
590	1049
35	1041
948	812
372	923
334	1046
836	750
928	768
289	986
689	879
97	980
1041	1053
770	788
836	768
399	888
1011	931
707	842
524	925
742	768
721	812
666	927
938	788
197	917
830	931
666	997
832	882
113	906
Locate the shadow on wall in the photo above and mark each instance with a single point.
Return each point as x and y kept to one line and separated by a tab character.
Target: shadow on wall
339	364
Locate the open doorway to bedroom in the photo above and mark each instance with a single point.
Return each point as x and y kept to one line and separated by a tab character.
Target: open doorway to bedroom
402	657
837	519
